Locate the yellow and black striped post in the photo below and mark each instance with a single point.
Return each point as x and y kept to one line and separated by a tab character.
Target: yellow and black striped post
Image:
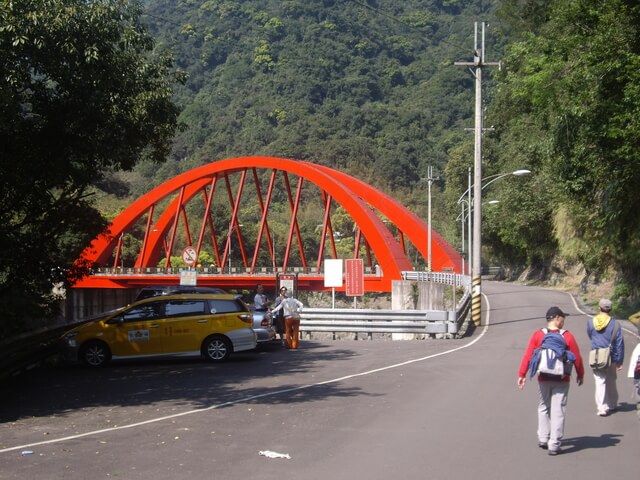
476	300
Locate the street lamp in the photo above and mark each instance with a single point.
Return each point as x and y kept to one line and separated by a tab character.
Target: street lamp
516	173
474	204
466	215
492	178
429	179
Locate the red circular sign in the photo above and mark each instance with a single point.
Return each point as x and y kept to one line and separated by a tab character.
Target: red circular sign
189	256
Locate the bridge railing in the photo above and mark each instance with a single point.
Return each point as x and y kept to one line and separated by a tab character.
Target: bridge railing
443	278
210	270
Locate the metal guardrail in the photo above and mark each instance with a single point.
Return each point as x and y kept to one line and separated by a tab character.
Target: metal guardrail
442	278
370	321
377	321
444	322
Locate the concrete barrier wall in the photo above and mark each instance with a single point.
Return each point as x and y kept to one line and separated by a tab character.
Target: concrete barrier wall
412	295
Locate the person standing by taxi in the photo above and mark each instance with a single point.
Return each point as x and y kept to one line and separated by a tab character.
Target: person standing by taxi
292	308
278	320
260	301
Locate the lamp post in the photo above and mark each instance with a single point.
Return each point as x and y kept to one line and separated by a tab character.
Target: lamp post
273	251
492	178
465	215
462	218
429	179
475	246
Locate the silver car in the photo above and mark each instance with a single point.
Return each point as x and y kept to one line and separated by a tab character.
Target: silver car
263	325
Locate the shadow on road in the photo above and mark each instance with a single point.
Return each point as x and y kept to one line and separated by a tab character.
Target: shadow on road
182	382
586	443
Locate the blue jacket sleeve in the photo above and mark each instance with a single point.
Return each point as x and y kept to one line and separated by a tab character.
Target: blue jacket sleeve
617	355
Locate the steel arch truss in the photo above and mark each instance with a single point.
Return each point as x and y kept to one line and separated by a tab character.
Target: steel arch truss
372	212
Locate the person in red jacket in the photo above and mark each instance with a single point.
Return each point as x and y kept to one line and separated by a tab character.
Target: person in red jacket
552	391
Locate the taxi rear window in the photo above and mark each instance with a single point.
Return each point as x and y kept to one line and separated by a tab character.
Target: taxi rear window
184	308
226	306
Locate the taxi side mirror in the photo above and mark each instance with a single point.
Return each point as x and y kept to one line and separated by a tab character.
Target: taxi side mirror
119	320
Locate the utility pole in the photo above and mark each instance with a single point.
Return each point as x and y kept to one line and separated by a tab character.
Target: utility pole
476	274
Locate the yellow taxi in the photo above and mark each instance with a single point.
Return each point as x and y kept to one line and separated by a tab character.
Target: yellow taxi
211	325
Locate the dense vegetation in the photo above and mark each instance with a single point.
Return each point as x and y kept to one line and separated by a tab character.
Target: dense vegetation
79	96
568	105
366	86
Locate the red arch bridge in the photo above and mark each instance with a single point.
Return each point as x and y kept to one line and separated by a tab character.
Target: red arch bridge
224	217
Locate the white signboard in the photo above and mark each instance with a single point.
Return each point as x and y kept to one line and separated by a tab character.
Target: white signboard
188	277
333	272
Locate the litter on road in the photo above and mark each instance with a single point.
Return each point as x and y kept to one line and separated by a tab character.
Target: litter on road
270	454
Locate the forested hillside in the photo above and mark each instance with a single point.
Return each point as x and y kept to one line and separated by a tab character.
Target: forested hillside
366	87
370	87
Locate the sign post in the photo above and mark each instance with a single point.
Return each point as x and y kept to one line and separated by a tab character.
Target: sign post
288	280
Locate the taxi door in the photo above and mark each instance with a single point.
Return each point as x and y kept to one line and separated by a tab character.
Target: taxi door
137	331
186	325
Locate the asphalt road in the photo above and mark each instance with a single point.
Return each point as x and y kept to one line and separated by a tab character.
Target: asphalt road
433	409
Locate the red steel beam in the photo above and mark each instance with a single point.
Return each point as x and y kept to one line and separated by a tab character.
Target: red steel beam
355	197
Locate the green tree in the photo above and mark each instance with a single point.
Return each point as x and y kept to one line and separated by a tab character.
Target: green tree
568	102
81	93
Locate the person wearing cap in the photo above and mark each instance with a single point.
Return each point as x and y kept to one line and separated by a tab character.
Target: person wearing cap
552	392
291	308
604	332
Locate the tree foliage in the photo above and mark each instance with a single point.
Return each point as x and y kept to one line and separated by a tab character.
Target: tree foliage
80	95
568	105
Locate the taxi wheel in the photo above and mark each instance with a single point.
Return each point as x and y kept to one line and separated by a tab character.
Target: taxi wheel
216	349
95	353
